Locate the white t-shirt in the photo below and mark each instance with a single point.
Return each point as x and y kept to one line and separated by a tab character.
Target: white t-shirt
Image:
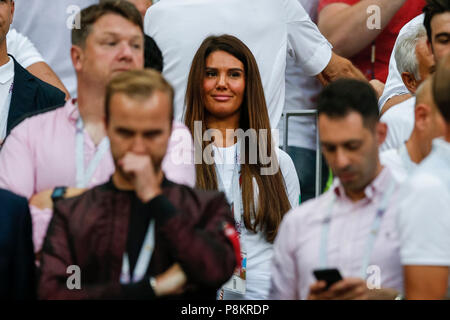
21	48
6	81
48	26
271	29
424	212
400	121
394	84
301	94
399	161
259	251
225	164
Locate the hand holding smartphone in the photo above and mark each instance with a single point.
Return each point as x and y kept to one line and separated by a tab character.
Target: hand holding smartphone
330	276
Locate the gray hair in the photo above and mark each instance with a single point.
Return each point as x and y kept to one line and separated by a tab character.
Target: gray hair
405	53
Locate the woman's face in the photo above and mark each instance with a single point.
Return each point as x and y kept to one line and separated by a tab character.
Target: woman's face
223	84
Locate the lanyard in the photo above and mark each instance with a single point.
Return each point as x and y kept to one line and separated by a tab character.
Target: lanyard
5	111
234	191
83	177
237	282
143	260
371	238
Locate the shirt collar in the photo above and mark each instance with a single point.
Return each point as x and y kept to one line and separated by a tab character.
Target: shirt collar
72	110
442	146
7	71
374	189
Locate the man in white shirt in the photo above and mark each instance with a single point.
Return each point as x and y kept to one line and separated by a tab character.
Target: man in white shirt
350	227
415	63
429	125
435	21
301	94
20	92
24	51
271	29
48	26
21	48
424	212
395	90
400	122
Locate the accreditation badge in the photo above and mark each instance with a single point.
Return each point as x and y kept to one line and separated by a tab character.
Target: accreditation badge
237	283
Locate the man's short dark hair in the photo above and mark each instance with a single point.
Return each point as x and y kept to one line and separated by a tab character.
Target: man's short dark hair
433	8
344	96
91	14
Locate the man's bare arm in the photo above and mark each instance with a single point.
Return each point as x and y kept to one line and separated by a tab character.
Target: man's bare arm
426	282
43	71
339	67
346	28
43	200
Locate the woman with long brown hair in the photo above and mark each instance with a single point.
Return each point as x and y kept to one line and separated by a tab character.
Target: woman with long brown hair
227	114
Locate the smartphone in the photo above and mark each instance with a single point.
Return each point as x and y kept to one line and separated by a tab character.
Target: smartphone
330	276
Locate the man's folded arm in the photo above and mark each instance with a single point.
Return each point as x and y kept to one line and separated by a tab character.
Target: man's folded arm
55	280
206	254
339	67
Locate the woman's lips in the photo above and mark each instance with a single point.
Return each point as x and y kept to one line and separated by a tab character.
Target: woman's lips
221	98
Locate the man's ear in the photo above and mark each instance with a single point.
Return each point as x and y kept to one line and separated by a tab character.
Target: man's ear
422	114
410	81
381	132
76	54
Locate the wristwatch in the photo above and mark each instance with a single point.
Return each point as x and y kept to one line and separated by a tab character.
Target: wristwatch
58	193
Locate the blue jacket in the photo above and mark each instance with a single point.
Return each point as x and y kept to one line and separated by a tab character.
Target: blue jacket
17	268
29	95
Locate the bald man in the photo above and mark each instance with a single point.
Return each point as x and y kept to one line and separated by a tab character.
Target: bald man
428	125
424	215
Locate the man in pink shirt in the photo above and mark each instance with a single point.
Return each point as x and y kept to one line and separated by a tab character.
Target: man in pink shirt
350	227
68	146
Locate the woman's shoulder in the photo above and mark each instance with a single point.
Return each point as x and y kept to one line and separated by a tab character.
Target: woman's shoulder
284	159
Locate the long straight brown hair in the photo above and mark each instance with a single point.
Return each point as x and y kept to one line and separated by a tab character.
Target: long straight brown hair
273	201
